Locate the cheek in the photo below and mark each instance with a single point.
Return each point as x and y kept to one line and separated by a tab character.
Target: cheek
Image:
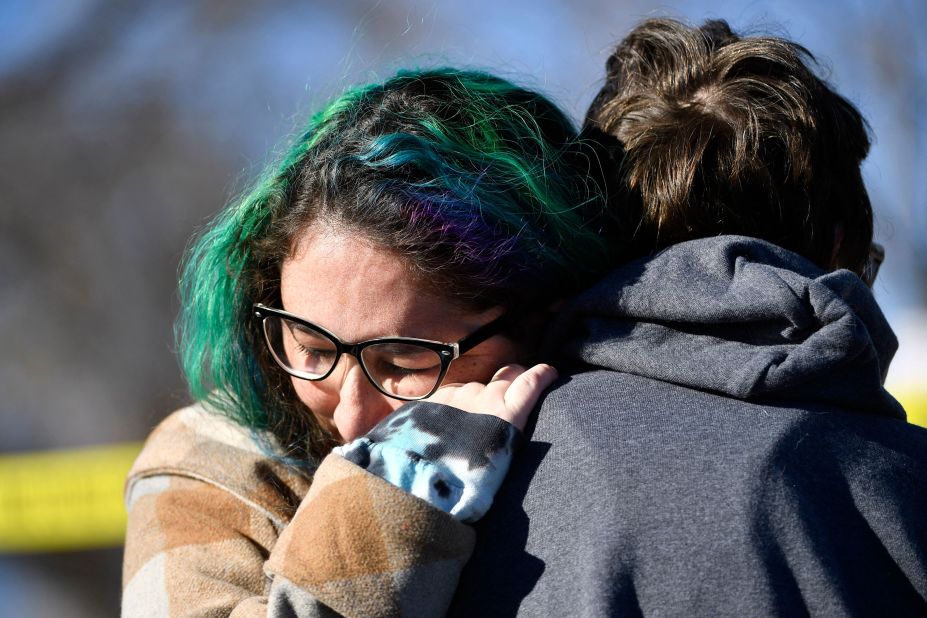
320	403
484	361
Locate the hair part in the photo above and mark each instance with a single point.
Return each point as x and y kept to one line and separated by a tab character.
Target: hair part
729	135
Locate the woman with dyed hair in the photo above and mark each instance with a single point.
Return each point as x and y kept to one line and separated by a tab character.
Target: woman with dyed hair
405	250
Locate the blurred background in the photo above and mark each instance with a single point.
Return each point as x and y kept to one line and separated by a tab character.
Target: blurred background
125	125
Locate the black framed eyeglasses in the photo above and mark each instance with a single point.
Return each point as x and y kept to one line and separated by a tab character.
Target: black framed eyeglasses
404	368
876	257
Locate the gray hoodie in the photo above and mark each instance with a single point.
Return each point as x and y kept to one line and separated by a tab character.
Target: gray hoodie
724	447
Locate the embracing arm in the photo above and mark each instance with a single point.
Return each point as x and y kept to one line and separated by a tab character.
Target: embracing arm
357	545
205	536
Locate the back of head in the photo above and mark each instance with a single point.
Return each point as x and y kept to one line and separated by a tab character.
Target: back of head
723	134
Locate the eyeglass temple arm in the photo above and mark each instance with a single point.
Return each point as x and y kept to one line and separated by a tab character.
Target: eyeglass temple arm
485	331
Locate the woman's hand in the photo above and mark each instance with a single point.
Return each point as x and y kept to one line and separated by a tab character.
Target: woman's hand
510	395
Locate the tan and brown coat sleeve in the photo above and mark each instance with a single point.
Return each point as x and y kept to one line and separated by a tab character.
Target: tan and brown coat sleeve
217	528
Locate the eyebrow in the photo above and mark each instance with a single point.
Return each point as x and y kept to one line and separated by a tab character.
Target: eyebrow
353	341
303	328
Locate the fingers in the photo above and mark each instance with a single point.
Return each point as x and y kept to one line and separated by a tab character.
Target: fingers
511	394
507	373
514	390
490	395
503	378
524	391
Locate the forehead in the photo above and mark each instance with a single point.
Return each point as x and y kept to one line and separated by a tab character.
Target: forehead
358	290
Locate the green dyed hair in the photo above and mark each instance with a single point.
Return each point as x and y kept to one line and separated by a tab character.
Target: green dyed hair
481	186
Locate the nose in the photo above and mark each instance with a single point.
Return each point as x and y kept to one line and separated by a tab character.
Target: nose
360	405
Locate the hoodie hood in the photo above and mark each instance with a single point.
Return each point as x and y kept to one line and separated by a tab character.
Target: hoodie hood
740	317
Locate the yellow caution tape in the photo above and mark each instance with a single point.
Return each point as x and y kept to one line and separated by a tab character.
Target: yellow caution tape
915	404
72	499
61	500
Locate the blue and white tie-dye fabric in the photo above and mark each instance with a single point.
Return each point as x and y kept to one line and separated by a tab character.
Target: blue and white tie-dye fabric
453	459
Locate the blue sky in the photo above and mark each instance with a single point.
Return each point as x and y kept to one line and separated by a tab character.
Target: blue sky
252	81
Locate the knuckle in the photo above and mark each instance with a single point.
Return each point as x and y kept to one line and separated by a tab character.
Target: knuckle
530	380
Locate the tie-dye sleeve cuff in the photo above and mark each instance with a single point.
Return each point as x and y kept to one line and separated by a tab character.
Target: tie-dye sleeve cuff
452	459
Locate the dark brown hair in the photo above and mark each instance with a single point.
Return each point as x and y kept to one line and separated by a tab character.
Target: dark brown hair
729	135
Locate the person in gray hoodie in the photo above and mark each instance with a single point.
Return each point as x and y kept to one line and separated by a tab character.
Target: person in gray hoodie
723	445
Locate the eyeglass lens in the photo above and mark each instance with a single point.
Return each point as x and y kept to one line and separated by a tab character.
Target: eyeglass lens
402	369
299	348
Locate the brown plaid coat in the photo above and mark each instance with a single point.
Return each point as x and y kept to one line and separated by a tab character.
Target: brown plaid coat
219	528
